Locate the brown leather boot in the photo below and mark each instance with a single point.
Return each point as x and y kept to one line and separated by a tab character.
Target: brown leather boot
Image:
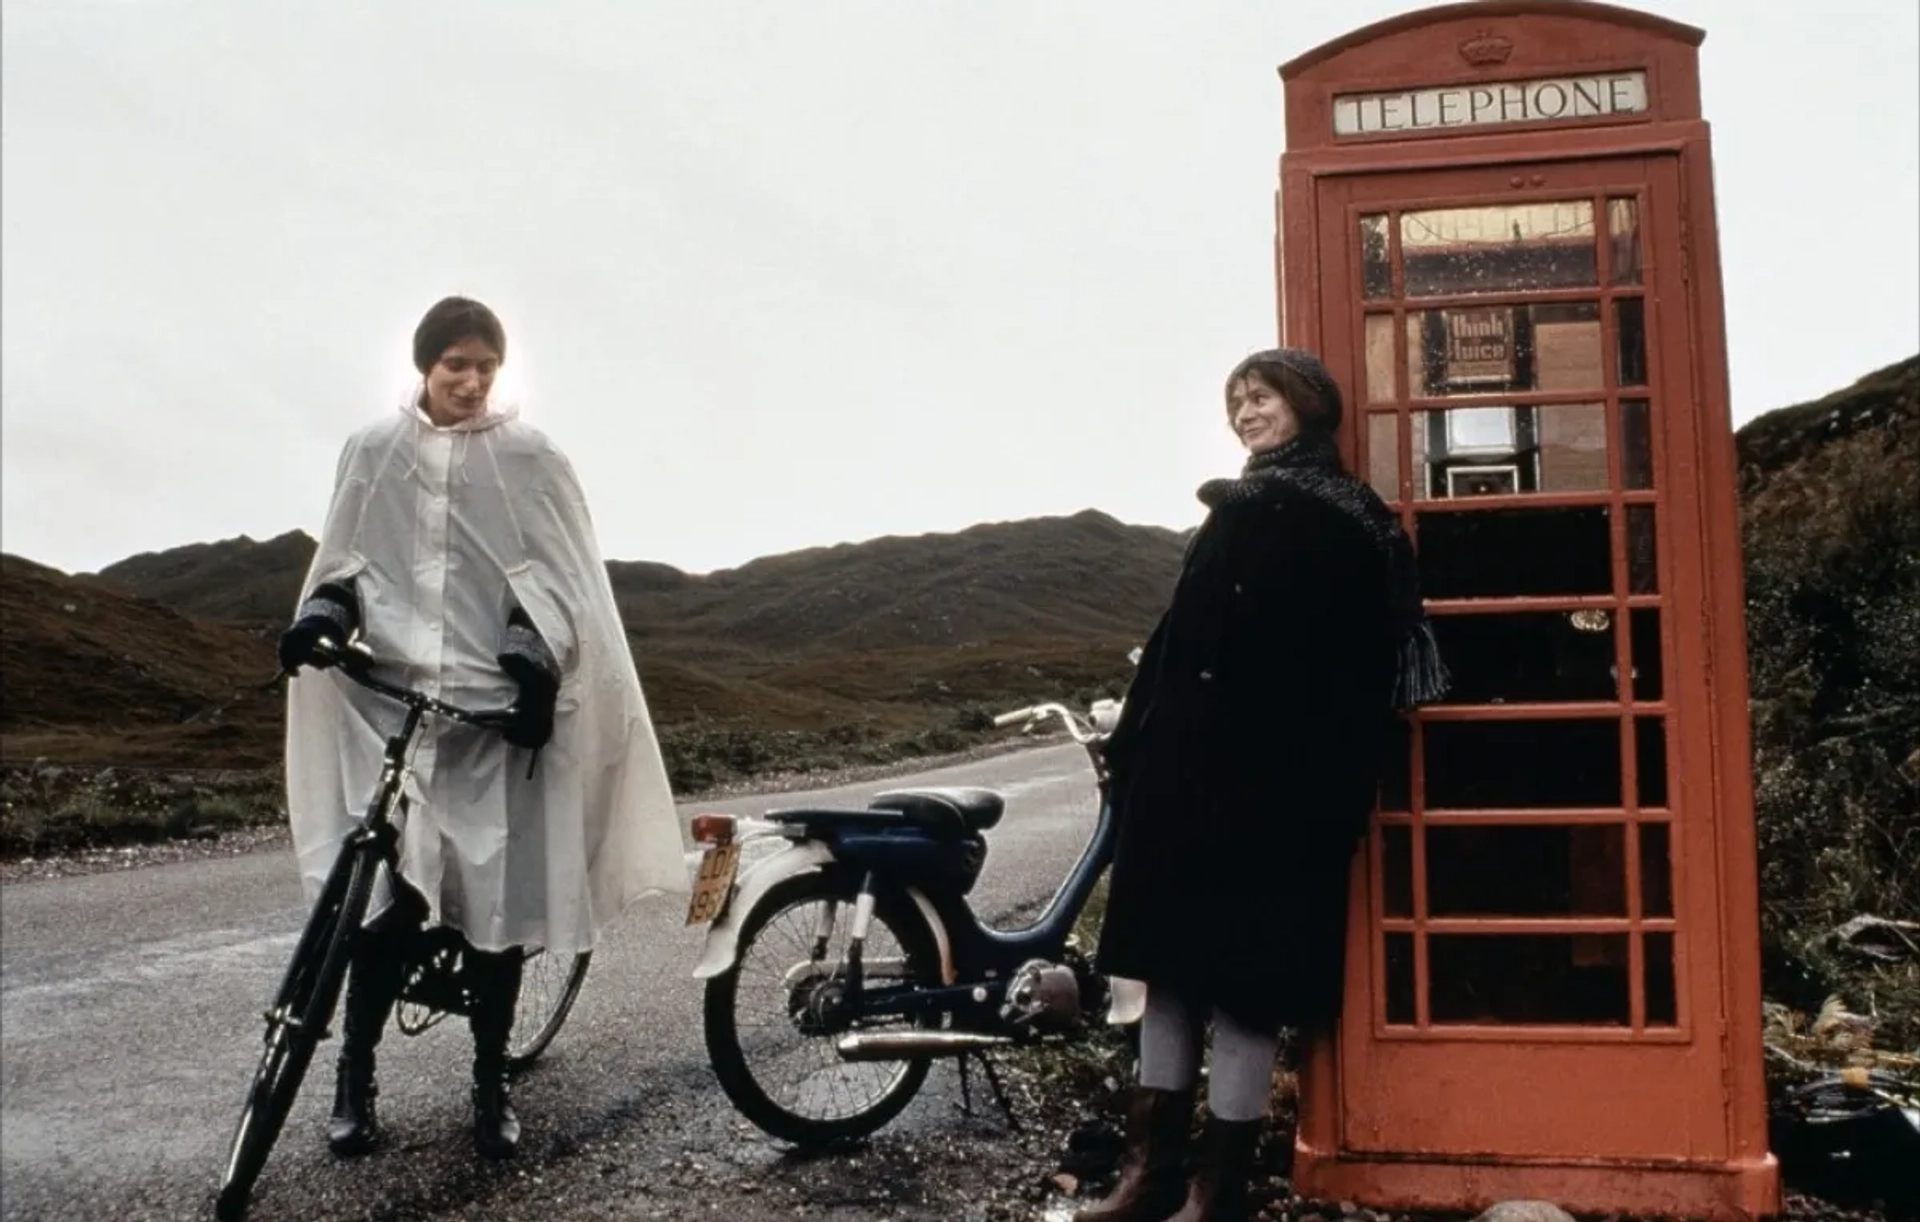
1151	1167
1221	1172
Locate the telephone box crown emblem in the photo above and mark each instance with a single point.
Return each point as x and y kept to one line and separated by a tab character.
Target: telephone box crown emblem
1485	49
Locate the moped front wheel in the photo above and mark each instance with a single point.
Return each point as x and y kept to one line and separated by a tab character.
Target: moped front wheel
296	1022
774	1018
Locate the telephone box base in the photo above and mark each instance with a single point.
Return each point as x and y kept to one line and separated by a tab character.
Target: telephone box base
1735	1192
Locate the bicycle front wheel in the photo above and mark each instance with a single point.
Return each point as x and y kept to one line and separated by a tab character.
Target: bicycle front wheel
548	985
296	1023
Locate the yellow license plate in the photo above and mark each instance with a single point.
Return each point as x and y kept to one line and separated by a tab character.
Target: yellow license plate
714	883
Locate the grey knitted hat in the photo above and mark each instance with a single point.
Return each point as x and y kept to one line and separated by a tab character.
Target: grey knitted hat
1302	380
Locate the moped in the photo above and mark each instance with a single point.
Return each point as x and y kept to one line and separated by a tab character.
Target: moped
841	964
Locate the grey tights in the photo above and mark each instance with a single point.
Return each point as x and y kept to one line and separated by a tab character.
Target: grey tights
1240	1083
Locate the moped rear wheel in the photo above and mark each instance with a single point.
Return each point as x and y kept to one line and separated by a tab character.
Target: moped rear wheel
296	1023
771	1026
548	985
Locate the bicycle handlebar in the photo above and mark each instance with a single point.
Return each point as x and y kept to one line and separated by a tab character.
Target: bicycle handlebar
355	661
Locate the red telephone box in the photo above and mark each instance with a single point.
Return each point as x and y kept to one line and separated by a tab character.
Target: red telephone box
1498	228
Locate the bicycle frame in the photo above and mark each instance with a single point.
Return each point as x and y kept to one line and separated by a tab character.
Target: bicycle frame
377	828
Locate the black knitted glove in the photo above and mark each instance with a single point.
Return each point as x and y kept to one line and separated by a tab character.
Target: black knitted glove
528	660
331	612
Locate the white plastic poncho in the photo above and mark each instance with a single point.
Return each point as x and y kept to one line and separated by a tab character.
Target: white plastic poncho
442	531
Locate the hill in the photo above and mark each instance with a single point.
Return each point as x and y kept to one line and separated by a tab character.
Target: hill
1830	517
856	653
236	581
1042	578
90	674
1049	577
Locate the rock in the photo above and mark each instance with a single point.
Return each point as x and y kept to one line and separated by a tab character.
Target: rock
1525	1211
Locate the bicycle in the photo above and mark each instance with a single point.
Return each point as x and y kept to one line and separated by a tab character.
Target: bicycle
434	985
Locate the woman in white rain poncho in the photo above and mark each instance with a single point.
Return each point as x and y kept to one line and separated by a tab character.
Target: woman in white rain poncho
459	546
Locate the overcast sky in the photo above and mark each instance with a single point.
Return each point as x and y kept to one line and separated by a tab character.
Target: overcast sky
775	274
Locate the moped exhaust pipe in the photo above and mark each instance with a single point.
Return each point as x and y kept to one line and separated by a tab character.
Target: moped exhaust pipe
901	1045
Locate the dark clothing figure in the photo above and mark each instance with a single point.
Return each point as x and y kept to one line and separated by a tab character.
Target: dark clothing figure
1246	760
1244	770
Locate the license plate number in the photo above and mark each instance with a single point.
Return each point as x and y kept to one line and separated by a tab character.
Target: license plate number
714	883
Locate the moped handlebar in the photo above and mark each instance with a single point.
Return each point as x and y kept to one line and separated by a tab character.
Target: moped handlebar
1035	715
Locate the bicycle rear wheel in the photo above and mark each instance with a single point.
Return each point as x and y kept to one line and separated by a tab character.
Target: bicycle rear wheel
296	1023
548	985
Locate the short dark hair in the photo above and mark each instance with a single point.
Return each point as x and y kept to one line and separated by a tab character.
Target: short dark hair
451	320
1298	377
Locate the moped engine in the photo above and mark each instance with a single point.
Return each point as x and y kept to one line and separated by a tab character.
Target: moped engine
1043	999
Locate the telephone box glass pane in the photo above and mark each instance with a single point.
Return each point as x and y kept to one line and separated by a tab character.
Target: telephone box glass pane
1662	998
1527	871
1630	335
1515	765
1400	989
1380	358
1376	272
1383	455
1510	553
1647	660
1528	657
1643	551
1481	350
1396	870
1656	870
1510	451
1636	444
1650	746
1623	237
1501	248
1534	978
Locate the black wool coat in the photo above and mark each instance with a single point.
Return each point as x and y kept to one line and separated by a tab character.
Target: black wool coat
1246	763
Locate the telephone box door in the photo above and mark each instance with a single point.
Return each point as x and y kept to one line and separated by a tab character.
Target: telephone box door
1540	974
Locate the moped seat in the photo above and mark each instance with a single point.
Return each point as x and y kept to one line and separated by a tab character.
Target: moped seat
958	811
837	819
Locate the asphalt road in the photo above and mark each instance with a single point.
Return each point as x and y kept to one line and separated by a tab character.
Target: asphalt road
129	1028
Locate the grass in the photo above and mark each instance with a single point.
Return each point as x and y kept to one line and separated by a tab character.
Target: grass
52	810
1832	550
90	818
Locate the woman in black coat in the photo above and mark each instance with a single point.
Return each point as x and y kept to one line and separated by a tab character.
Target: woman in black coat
1244	771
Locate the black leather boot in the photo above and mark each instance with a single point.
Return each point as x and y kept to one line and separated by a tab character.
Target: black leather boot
495	982
373	984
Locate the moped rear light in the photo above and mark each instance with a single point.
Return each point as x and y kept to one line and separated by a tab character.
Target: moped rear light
713	829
